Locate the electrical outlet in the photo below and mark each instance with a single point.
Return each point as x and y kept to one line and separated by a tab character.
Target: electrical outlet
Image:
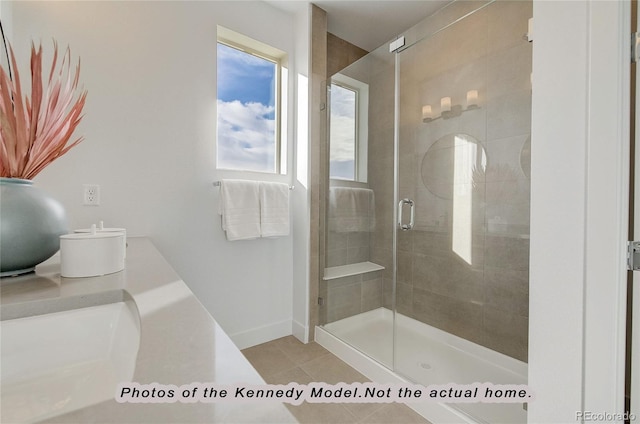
91	195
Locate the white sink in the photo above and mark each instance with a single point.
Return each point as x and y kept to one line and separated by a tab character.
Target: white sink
58	362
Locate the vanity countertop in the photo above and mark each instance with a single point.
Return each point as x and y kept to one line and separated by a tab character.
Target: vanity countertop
180	343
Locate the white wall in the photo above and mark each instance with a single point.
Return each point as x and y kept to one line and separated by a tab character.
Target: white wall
301	198
579	183
150	129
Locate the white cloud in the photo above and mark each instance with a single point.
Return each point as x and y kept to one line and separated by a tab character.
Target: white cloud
343	125
246	136
342	132
343	101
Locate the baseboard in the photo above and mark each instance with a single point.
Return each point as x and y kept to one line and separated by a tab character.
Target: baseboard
262	334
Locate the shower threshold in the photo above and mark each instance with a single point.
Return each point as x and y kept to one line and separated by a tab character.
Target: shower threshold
425	355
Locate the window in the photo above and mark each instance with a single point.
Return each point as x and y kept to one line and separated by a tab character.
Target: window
349	100
343	132
249	104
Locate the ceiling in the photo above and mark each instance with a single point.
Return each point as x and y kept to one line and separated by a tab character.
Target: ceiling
368	24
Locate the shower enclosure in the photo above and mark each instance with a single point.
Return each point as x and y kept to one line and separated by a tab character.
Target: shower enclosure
428	207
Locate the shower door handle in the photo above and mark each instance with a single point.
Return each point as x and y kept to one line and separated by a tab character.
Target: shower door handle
405	227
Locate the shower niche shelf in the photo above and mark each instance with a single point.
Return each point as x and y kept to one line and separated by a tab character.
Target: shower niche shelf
334	272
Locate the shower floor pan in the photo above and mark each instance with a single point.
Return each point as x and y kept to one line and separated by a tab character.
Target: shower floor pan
425	355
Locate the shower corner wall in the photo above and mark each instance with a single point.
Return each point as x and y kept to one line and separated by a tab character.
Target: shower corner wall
318	163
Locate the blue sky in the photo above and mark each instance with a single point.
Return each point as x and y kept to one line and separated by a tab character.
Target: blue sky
246	111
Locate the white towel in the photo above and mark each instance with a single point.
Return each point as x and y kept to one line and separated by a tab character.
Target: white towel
240	209
351	209
274	209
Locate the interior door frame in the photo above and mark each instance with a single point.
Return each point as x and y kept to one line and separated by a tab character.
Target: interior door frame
633	356
579	208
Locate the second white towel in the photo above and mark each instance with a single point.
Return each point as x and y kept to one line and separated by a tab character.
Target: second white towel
274	209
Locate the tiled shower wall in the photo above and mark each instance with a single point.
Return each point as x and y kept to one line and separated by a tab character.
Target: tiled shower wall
483	298
348	248
349	296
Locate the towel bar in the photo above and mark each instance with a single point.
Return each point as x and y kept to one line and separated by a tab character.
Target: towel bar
217	184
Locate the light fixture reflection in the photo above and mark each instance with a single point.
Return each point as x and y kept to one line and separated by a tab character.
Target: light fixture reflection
450	110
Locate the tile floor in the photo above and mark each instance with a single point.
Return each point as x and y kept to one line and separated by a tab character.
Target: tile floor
288	360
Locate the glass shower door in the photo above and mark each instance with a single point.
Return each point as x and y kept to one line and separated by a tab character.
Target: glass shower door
463	140
428	231
358	282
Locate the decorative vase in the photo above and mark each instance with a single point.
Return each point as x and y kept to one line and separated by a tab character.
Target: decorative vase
31	223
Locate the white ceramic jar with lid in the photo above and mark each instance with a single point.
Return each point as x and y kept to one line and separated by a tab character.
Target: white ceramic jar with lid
91	254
